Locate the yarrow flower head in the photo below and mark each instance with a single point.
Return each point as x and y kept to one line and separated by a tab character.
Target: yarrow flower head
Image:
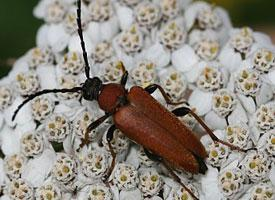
5	97
209	19
72	63
40	56
237	135
100	10
265	117
225	75
95	164
13	165
147	14
243	40
58	127
31	144
99	192
144	73
248	82
48	191
42	108
210	79
256	166
102	52
207	49
64	169
172	36
20	189
231	182
262	191
223	102
125	176
27	83
264	60
150	182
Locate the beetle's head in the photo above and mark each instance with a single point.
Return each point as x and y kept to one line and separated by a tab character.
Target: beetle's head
91	88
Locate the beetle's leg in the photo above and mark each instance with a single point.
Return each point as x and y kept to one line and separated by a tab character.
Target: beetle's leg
46	91
152	88
152	156
109	137
92	126
180	112
155	157
184	110
177	179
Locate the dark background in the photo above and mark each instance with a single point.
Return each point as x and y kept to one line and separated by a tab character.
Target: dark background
18	26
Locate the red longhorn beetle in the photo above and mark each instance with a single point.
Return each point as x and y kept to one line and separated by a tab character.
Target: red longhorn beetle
144	120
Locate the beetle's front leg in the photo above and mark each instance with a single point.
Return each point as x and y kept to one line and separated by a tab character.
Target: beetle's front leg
152	88
109	137
92	126
184	111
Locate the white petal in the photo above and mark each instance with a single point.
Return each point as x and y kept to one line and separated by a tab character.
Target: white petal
191	13
94	31
262	38
271	77
194	73
10	142
74	44
39	10
265	95
2	173
37	169
209	184
184	58
229	59
214	121
109	29
238	115
57	37
23	116
255	134
130	195
247	103
41	36
115	192
47	77
132	157
158	55
201	101
5	197
125	16
272	175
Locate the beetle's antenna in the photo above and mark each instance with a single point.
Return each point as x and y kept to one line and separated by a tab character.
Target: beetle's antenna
32	96
80	33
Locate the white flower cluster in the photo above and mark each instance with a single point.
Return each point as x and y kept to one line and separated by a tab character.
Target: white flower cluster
226	75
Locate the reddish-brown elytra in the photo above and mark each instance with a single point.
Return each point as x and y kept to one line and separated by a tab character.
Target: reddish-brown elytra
141	118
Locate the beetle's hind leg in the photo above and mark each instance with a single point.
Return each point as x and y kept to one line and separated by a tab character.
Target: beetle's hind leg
109	137
184	111
152	88
124	77
167	166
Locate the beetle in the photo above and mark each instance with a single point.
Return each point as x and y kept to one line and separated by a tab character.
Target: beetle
142	119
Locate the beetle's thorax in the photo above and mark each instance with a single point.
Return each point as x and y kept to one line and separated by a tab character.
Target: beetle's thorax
111	97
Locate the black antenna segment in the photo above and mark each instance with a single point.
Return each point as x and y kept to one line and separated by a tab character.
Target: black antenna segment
80	33
32	96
